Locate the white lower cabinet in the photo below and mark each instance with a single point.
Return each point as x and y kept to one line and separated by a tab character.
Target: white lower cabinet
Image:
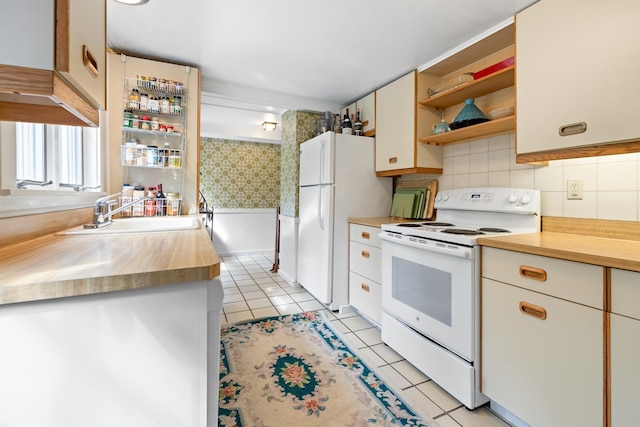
625	351
542	355
365	271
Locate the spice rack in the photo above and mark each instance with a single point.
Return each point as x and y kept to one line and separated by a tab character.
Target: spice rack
153	145
155	207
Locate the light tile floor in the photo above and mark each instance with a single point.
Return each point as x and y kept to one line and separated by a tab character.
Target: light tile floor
251	291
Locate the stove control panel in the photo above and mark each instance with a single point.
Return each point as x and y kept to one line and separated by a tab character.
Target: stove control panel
495	199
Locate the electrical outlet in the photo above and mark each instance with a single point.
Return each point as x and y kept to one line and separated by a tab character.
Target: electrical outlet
574	189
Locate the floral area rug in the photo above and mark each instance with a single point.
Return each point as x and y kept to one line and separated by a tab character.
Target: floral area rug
296	371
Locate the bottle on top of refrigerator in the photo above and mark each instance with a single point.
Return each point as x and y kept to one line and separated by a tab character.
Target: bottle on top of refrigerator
347	126
357	125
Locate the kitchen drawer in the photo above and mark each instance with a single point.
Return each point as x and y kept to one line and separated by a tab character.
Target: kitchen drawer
365	296
552	362
625	293
365	234
365	260
573	281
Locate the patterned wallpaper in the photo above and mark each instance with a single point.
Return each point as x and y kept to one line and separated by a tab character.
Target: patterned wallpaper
297	127
239	174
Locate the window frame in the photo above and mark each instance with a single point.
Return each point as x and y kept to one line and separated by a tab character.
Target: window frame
18	202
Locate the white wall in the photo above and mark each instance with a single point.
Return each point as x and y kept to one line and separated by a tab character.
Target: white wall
611	184
244	231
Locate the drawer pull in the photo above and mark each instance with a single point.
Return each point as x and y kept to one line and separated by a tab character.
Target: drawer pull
533	310
533	273
364	287
90	61
366	235
365	254
393	160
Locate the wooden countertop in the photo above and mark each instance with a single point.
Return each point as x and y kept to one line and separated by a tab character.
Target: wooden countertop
378	221
60	266
607	252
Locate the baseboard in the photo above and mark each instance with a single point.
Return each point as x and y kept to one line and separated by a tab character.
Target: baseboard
265	252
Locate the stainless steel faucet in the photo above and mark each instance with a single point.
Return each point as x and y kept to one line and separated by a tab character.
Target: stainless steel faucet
24	182
79	187
103	209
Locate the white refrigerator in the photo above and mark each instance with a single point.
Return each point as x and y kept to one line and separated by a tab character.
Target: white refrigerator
337	182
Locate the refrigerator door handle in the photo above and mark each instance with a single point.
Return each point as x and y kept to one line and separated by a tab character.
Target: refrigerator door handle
322	163
321	207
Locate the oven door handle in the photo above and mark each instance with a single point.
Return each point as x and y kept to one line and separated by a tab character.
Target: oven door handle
429	245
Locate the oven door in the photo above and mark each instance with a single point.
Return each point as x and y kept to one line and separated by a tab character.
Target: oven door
431	286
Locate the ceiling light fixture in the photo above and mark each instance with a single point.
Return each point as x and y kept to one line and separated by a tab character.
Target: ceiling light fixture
269	126
133	2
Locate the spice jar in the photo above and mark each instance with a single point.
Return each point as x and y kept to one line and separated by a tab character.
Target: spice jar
144	102
175	161
130	152
152	155
138	208
155	124
134	100
173	203
146	123
127	118
154	105
169	128
141	155
135	123
164	105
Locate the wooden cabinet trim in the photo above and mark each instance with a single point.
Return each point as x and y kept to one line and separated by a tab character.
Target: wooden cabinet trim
30	95
62	35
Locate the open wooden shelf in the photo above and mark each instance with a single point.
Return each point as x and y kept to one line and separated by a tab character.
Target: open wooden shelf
493	127
474	89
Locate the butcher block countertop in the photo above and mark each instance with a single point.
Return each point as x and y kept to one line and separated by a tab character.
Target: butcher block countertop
378	221
56	266
613	244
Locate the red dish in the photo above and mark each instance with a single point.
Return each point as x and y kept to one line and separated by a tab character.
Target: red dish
493	68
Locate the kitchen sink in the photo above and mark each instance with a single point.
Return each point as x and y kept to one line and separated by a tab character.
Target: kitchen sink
139	225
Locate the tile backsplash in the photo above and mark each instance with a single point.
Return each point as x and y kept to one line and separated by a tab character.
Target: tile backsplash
611	184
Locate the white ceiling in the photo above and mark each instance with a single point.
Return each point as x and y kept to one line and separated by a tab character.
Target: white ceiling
259	59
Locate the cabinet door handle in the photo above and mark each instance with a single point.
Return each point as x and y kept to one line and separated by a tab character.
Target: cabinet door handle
533	273
572	129
90	61
533	310
393	160
365	254
366	235
364	287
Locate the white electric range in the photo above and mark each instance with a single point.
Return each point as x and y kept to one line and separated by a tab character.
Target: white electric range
431	277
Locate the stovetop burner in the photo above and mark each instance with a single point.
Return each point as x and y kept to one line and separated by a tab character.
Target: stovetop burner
410	224
494	230
462	231
437	224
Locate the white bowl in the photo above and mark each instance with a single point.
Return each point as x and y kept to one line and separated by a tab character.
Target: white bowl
499	113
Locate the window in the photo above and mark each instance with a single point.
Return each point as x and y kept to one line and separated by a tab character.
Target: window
55	157
30	152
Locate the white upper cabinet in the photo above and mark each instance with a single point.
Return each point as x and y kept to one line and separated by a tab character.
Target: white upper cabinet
53	65
398	121
577	77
